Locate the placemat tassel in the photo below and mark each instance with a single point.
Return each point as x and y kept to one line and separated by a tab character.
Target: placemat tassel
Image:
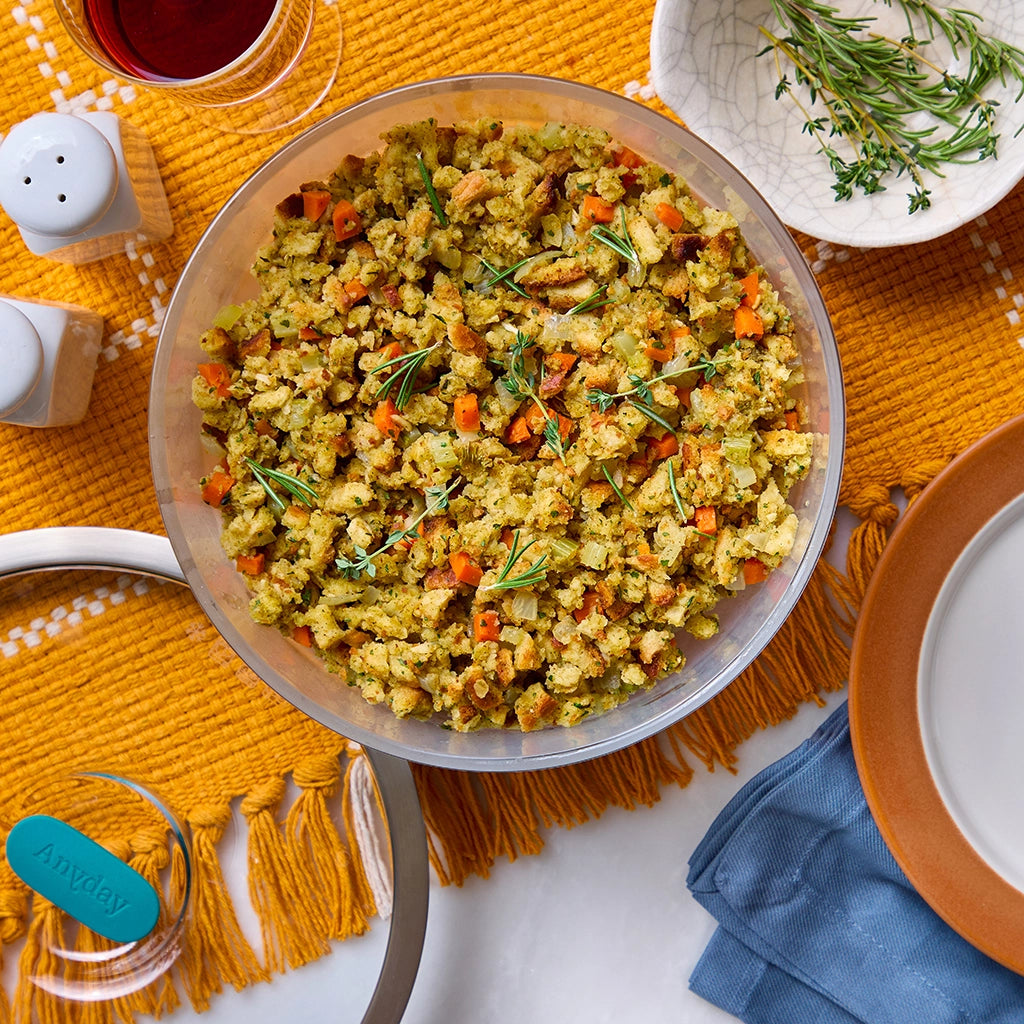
216	950
151	858
459	834
367	832
100	1011
284	897
32	1004
516	829
13	911
326	857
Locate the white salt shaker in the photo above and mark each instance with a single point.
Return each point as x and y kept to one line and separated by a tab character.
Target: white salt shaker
48	353
80	186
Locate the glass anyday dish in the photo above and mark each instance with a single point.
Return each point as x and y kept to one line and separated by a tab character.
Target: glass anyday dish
217	273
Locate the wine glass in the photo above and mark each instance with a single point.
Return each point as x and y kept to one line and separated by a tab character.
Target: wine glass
237	66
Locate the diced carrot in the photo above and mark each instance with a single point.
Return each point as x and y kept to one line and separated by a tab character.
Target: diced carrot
536	418
466	411
251	565
663	447
754	571
746	323
751	295
392	350
215	490
627	158
303	635
590	602
792	418
560	362
658	350
596	211
518	431
565	426
356	290
309	334
678	333
669	216
384	418
485	626
705	519
508	536
465	569
347	222
218	376
314	202
264	428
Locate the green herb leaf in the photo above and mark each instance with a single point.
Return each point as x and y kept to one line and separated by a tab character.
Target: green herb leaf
428	183
536	573
618	490
299	489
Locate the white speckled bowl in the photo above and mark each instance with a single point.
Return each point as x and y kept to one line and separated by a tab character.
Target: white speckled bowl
704	67
218	273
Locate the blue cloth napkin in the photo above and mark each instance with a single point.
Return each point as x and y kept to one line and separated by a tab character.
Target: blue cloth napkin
817	923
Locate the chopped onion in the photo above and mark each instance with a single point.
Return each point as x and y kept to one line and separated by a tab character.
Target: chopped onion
636	275
524	605
468	436
745	476
311	360
625	345
565	630
533	262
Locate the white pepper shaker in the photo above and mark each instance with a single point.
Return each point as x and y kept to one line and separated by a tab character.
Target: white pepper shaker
80	186
48	353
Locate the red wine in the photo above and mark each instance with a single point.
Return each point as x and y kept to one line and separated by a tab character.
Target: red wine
176	39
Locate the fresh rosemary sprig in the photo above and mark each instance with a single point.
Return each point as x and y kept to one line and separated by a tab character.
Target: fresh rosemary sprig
621	244
531	576
499	276
299	489
522	386
618	490
431	191
593	301
353	568
675	491
404	370
873	89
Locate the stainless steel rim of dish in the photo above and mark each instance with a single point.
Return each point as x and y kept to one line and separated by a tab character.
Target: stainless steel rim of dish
97	547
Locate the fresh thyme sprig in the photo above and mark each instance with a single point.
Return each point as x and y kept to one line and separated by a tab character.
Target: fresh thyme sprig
594	300
299	489
872	89
536	573
621	244
499	276
404	370
617	489
431	191
522	386
639	395
353	568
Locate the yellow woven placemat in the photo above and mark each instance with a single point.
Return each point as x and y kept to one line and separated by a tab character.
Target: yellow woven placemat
931	344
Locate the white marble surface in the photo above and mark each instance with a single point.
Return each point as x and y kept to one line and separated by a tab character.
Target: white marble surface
704	67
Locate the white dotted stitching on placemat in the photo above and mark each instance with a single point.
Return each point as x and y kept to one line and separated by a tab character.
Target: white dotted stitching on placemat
990	254
60	618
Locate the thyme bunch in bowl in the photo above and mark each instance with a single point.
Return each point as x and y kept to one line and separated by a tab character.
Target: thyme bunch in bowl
870	90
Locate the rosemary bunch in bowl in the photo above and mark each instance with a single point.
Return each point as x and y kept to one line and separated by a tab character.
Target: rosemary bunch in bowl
871	90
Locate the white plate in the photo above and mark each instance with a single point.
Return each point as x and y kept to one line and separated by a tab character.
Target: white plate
704	67
970	703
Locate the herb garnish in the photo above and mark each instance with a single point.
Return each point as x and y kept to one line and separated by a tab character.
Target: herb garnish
675	491
639	395
293	485
499	276
353	568
618	490
522	386
592	301
431	191
536	573
621	244
406	367
872	89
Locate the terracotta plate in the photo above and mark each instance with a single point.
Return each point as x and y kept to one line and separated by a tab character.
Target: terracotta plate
936	704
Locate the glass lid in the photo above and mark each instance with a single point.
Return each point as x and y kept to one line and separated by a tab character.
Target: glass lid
131	881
